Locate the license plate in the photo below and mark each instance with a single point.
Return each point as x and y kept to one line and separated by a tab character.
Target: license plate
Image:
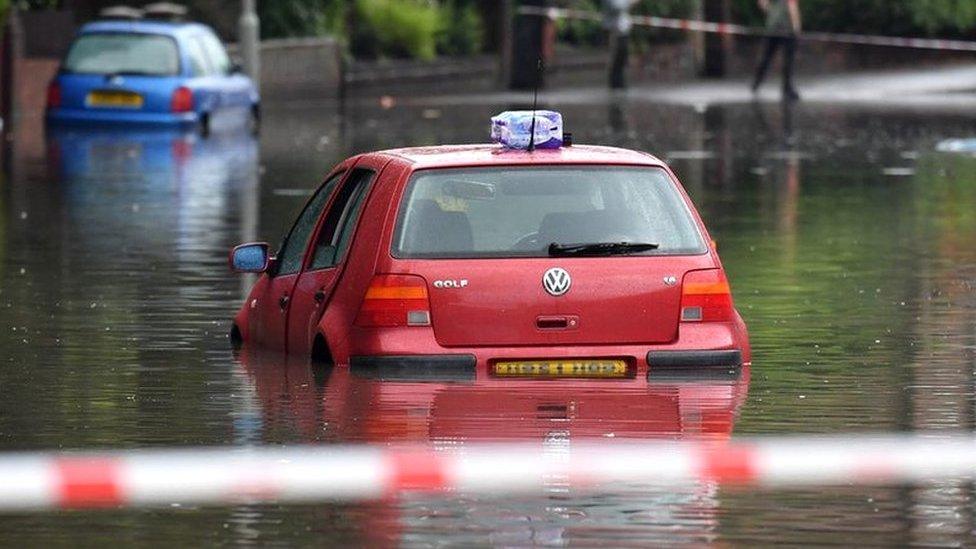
116	99
562	368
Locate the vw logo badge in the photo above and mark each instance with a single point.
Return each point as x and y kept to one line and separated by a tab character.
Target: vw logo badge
556	281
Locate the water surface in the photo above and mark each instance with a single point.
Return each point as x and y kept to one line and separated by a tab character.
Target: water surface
847	239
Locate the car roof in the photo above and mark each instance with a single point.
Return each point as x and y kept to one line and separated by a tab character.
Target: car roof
444	156
148	26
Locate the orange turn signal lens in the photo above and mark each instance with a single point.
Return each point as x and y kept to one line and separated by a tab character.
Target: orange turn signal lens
706	297
395	300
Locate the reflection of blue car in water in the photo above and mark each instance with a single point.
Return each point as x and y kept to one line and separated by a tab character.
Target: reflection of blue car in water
176	181
178	158
151	72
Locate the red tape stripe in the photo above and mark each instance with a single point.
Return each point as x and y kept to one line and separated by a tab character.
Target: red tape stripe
85	482
417	471
730	465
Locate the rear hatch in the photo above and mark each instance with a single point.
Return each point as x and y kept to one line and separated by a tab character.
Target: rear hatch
481	239
611	300
120	72
117	93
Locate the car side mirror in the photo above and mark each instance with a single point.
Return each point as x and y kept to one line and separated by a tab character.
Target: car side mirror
253	257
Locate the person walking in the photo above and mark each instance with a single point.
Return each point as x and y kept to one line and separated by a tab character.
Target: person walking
782	28
616	19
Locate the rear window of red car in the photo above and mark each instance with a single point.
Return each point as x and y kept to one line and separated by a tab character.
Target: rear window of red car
520	211
123	53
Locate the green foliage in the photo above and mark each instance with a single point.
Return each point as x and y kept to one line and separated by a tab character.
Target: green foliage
424	28
289	18
581	32
461	30
34	4
886	17
679	9
397	28
417	29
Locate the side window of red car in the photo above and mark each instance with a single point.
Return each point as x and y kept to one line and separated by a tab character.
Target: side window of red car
340	221
292	251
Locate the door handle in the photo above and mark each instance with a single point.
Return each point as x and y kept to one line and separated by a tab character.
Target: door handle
283	301
319	296
557	322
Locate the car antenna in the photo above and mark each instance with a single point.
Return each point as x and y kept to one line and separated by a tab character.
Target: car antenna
535	103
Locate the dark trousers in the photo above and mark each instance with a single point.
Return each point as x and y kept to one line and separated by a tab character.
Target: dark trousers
618	64
773	43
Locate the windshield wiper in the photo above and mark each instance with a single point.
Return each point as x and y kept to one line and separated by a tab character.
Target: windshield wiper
600	248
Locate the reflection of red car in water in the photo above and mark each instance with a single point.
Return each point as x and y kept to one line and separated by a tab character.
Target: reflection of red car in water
299	403
367	405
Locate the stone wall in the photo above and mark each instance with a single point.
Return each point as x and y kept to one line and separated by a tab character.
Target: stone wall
300	69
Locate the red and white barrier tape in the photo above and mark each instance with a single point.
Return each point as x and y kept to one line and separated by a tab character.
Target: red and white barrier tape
346	473
729	28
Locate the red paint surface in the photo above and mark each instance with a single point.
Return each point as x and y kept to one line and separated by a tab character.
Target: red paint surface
84	482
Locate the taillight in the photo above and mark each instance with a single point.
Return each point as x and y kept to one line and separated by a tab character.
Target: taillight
395	300
182	100
705	297
53	95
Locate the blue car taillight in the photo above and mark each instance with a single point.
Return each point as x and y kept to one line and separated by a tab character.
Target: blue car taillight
182	100
53	95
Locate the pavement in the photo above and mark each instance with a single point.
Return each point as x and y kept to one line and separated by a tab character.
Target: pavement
949	87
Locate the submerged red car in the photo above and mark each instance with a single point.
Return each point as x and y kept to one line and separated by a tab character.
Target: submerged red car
578	261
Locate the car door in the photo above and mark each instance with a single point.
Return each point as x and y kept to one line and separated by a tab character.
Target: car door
272	296
326	261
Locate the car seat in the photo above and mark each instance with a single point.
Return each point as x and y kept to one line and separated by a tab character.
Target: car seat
431	230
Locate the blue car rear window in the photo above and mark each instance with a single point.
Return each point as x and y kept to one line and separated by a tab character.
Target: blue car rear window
123	53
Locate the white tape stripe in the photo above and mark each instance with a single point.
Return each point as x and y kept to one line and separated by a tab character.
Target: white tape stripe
254	475
729	28
27	483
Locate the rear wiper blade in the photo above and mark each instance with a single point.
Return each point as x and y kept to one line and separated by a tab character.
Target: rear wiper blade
600	248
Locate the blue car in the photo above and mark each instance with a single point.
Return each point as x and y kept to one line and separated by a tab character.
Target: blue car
155	73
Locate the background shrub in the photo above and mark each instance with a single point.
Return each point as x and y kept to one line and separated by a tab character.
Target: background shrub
461	30
395	28
423	28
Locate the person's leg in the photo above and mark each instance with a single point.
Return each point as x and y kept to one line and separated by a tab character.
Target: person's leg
618	64
769	49
789	56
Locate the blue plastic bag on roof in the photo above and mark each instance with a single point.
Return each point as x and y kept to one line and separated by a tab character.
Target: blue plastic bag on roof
512	129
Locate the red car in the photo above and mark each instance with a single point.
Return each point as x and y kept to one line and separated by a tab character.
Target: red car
580	261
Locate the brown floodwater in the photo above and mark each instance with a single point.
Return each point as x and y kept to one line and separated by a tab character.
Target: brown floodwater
848	241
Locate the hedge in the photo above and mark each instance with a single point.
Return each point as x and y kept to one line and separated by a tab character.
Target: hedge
426	28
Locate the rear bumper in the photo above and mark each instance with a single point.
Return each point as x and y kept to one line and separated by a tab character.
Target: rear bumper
464	366
415	367
75	117
699	347
731	358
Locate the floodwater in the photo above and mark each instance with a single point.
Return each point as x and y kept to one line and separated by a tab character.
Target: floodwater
847	238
